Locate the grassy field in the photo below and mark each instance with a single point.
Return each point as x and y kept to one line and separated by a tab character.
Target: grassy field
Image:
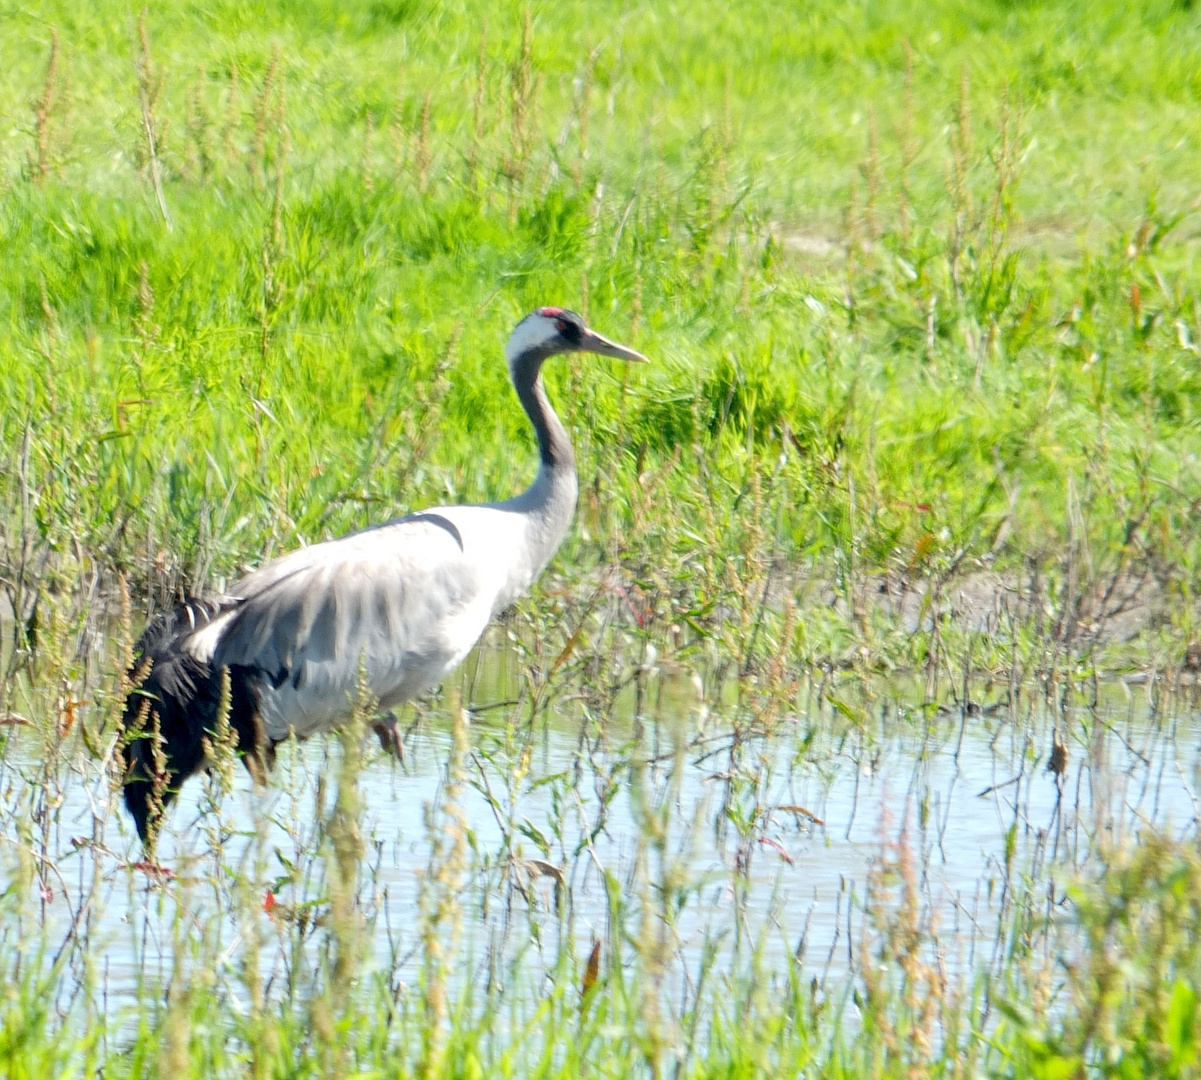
920	287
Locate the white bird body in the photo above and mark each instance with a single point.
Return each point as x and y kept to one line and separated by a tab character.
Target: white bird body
392	609
399	605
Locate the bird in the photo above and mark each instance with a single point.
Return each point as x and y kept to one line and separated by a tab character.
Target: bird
393	608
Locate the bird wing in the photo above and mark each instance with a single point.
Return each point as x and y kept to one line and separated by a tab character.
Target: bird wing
399	602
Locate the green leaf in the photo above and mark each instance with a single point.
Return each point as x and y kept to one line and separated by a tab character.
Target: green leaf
530	830
1180	1025
1055	1067
846	710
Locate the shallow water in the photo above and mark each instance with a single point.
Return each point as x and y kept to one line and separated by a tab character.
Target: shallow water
771	847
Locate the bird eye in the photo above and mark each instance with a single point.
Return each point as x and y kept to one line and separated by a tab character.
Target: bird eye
561	326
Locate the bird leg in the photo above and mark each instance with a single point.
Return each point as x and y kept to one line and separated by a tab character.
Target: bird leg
258	751
391	739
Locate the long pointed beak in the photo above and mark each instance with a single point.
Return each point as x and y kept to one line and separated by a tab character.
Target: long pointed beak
591	341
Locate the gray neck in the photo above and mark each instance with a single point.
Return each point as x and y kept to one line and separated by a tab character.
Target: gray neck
548	503
554	447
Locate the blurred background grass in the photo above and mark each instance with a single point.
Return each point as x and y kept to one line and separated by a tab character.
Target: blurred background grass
933	268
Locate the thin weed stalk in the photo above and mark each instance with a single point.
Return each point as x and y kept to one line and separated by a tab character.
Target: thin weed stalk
150	85
40	158
423	155
441	911
479	101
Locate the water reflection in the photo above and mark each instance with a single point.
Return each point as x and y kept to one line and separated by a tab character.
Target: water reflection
767	841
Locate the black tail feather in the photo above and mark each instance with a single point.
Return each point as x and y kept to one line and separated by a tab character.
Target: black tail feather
172	707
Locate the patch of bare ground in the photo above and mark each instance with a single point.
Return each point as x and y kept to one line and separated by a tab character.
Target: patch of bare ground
1054	238
1113	610
1071	619
823	247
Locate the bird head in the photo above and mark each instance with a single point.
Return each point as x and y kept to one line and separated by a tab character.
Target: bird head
552	330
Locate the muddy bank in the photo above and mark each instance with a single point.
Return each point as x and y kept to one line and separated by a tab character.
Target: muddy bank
1121	609
1108	611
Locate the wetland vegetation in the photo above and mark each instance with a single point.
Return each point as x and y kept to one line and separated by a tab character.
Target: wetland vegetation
854	729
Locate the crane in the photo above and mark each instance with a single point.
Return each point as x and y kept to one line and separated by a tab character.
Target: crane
396	606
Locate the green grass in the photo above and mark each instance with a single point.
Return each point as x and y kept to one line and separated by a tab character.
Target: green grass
308	274
920	286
